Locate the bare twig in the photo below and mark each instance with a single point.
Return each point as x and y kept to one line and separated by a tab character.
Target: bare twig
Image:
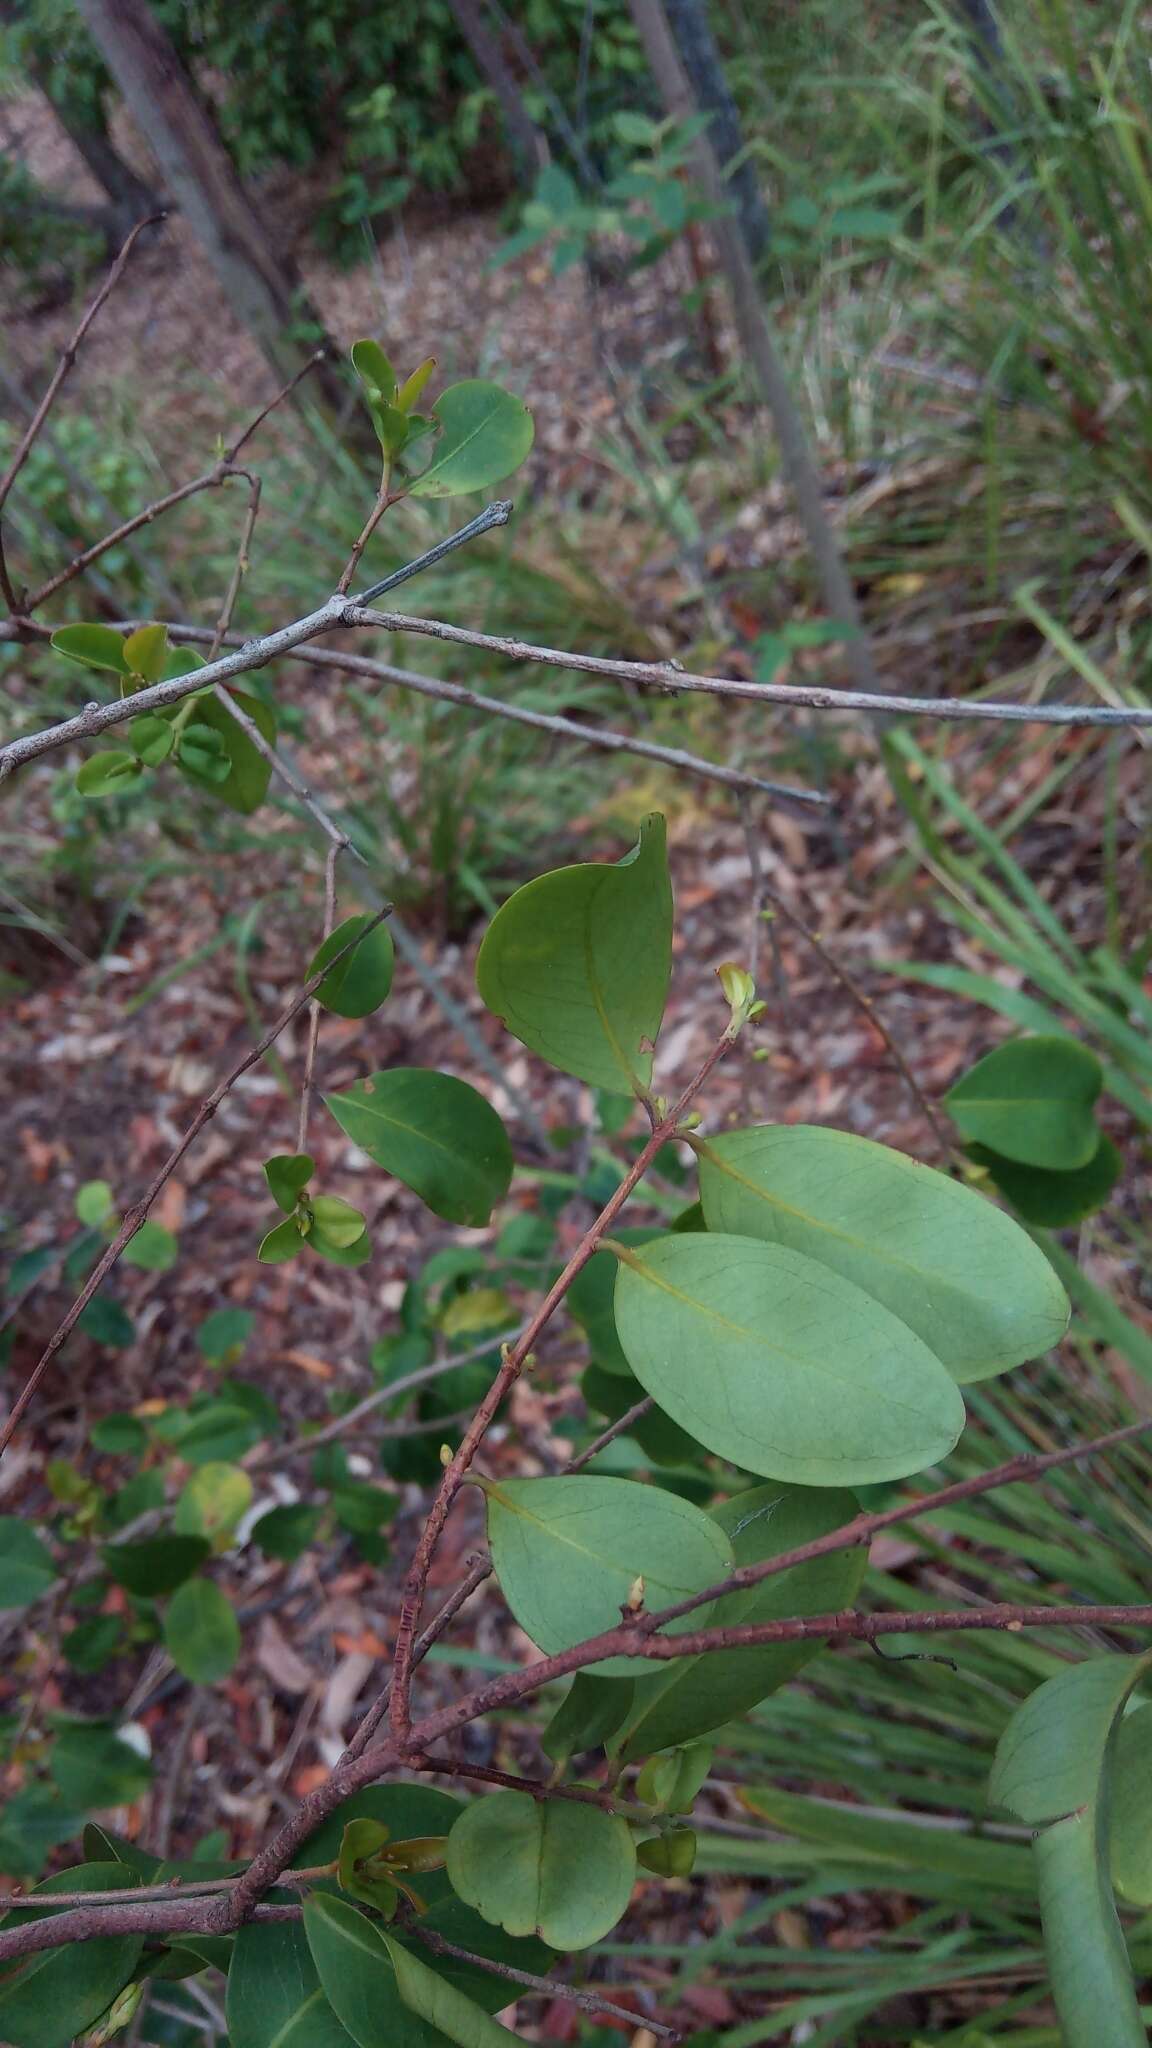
622	1424
513	1365
384	498
138	1213
68	358
496	514
240	566
589	2001
330	861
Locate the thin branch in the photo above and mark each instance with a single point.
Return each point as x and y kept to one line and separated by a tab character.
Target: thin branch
240	566
496	514
589	2001
515	1360
816	697
455	1767
174	1888
68	357
138	1213
478	1572
330	861
384	498
623	1423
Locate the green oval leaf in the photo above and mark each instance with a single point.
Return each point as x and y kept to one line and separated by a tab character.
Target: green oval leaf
152	738
359	983
287	1175
1032	1101
577	964
157	1565
146	651
1130	1808
108	774
485	433
555	1868
568	1552
374	371
781	1365
951	1265
54	1996
436	1134
359	1970
275	1997
153	1248
1054	1200
282	1242
212	1503
697	1694
26	1567
201	1632
590	1300
285	1533
95	646
337	1222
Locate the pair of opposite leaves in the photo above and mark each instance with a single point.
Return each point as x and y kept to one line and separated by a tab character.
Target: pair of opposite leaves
816	1330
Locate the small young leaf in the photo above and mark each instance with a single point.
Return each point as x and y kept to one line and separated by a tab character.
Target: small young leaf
355	1254
245	784
26	1567
201	1632
157	1565
670	1855
145	652
284	1241
95	646
410	390
93	1203
374	371
485	433
1032	1101
223	1335
551	1867
780	1364
577	964
436	1134
152	738
336	1221
287	1175
568	1553
108	774
360	982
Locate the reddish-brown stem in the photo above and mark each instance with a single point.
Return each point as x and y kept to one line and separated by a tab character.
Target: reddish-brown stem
138	1214
545	1986
620	1427
513	1365
384	498
453	1767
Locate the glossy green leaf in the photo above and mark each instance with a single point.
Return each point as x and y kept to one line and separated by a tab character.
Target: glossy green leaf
440	2004
245	785
1052	1201
287	1175
434	1133
590	1712
779	1364
157	1564
418	1810
153	1248
577	964
409	392
952	1266
568	1553
485	433
146	651
282	1242
355	1254
26	1567
286	1532
356	1970
212	1503
95	1768
95	646
696	1694
359	983
1053	1770
1130	1808
553	1867
590	1301
201	1632
108	774
55	1995
275	1997
361	1843
1032	1101
374	371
